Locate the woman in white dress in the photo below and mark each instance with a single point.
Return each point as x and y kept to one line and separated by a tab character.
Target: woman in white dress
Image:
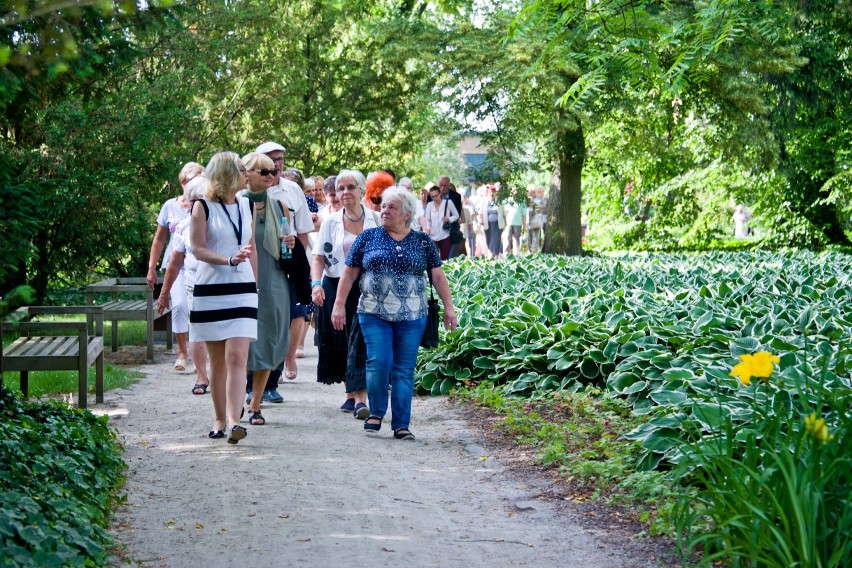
224	310
173	212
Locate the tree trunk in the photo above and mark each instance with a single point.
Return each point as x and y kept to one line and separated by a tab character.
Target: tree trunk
563	234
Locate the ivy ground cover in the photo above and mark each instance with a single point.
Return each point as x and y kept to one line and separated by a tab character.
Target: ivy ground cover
662	331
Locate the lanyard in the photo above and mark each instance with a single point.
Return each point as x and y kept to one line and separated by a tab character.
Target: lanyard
237	232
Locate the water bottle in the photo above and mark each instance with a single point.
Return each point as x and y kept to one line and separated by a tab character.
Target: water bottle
285	230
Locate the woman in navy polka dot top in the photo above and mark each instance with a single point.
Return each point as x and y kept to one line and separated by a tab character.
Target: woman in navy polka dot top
392	260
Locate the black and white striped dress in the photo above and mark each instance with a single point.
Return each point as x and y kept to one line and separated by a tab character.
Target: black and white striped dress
225	297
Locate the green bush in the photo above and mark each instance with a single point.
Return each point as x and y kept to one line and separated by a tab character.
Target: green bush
776	491
59	471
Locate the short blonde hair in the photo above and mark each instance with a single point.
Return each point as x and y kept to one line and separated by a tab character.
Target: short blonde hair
189	171
223	171
255	160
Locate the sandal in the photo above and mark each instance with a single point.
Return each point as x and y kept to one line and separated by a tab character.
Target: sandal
237	434
180	364
291	374
371	425
200	389
216	434
403	434
256	418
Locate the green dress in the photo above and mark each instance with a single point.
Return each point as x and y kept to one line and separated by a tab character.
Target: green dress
273	308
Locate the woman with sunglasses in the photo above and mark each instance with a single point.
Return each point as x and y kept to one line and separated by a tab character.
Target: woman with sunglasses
439	214
335	238
273	304
224	304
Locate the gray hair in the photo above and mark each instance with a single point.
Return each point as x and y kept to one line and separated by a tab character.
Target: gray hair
196	188
406	183
405	198
354	175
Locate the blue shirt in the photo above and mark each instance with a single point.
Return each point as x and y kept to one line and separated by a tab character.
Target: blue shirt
393	279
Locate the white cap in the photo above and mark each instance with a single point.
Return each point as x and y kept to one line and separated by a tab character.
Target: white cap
268	147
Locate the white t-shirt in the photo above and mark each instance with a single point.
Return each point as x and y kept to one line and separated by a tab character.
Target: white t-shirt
294	197
170	215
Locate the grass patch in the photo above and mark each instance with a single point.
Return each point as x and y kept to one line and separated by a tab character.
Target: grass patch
582	436
62	382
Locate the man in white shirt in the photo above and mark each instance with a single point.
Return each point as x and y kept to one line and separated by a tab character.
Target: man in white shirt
288	192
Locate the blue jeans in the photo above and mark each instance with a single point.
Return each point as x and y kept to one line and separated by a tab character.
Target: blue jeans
394	366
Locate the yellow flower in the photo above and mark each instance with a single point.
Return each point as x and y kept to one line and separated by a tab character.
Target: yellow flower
818	428
757	365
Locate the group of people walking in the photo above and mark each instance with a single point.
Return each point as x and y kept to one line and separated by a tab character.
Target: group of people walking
236	240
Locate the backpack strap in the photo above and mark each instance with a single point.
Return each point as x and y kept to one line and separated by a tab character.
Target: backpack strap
203	204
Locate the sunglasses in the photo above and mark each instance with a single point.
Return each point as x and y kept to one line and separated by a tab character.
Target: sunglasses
376	200
265	172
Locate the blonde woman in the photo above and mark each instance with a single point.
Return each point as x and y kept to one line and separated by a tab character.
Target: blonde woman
224	310
273	309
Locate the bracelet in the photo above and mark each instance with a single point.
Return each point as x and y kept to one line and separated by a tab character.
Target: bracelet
316	283
229	260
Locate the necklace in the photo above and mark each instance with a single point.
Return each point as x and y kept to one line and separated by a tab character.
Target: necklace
351	220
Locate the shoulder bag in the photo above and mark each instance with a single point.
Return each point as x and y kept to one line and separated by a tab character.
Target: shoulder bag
433	315
298	270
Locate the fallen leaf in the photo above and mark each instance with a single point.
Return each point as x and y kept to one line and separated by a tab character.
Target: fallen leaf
388	549
144	443
283	516
483	458
171	522
199	526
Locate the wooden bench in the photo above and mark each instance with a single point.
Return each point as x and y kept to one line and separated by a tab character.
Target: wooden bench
49	352
117	309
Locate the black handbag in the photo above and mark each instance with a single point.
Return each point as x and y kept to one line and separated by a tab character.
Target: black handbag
433	315
298	271
453	227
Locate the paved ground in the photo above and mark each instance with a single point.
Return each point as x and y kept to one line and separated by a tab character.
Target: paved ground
311	488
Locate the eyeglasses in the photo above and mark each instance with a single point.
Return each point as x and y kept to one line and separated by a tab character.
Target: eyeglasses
349	187
243	170
278	160
265	172
376	200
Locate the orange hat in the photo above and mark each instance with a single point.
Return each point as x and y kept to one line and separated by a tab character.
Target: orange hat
377	184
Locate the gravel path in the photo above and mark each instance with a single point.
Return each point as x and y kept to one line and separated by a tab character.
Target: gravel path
310	488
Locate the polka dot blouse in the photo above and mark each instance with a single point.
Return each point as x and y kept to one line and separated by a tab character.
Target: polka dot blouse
393	273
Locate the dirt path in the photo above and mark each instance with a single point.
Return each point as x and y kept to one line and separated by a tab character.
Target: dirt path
312	489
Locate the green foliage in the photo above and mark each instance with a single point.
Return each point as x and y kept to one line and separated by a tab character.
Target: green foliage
59	471
776	490
658	330
581	434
